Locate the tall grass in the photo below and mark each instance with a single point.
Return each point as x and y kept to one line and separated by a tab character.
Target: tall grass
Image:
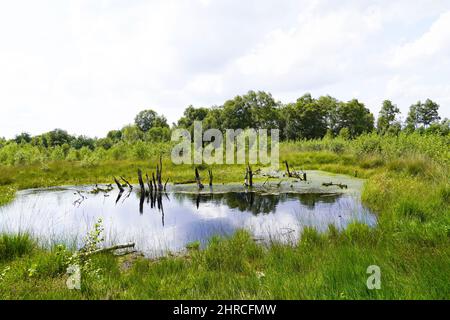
14	246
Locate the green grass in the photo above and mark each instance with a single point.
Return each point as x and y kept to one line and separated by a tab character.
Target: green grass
410	192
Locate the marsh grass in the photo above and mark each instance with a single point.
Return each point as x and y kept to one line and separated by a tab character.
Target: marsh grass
15	246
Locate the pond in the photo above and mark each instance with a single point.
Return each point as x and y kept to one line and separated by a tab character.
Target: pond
170	220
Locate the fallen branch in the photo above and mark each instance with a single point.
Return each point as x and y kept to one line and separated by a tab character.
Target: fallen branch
141	182
340	185
149	183
198	180
248	177
113	248
210	177
128	184
185	182
118	185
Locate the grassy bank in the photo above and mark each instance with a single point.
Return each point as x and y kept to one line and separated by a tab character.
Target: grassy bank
407	186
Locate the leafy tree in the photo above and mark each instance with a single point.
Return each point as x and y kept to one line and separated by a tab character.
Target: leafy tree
83	141
24	137
147	119
264	109
105	143
158	134
422	114
57	137
192	114
354	116
305	119
131	133
441	128
214	119
429	113
252	110
330	106
114	135
344	133
237	114
387	118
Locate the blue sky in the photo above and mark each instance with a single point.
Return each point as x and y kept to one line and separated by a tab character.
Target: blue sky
90	66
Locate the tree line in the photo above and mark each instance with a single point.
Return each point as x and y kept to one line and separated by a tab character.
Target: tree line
307	118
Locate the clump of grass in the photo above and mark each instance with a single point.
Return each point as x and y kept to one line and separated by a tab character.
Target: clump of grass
411	209
232	255
16	245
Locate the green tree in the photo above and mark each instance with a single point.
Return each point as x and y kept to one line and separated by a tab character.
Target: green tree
237	114
83	141
252	110
192	114
214	119
441	128
429	113
354	116
387	121
147	119
330	105
422	114
131	133
24	137
114	135
264	109
57	137
158	134
105	143
305	119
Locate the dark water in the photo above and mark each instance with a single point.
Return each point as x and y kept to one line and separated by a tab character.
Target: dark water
169	221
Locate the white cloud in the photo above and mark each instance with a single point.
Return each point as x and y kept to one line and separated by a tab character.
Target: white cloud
90	66
434	43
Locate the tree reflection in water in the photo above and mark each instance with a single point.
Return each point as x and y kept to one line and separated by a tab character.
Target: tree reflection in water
255	202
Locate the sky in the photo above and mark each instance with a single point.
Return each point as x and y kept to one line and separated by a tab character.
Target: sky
91	66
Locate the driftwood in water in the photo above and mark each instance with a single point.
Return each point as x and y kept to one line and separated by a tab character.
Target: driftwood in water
102	250
159	174
154	180
185	182
198	180
295	174
128	184
210	175
287	169
340	185
118	185
149	183
248	176
141	182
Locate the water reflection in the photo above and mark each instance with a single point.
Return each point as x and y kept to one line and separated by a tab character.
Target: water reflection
160	221
257	203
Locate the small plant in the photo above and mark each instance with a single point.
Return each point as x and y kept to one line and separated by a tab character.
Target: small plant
32	270
81	260
193	246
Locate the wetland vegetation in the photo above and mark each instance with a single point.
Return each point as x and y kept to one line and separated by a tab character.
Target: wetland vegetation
406	185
